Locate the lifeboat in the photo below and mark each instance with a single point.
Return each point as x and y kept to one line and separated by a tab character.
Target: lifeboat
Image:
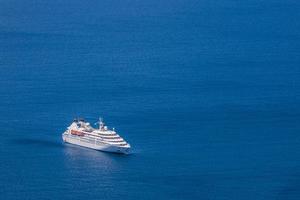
79	133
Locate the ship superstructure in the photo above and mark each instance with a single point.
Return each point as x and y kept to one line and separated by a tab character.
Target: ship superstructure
83	134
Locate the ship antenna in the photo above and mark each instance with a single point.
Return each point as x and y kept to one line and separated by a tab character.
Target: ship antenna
101	124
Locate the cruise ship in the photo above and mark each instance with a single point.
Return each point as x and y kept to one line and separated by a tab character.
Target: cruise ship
83	134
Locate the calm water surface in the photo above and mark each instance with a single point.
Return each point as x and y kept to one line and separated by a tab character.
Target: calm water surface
206	92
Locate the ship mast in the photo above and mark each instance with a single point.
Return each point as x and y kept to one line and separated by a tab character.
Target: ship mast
101	124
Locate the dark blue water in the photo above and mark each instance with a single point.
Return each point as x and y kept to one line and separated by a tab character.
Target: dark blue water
206	92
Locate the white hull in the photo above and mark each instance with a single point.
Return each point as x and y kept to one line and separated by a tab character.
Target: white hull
78	140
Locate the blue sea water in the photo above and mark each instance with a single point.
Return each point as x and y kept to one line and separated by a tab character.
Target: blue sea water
206	92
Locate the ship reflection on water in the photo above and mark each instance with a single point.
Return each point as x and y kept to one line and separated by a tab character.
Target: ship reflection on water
79	159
